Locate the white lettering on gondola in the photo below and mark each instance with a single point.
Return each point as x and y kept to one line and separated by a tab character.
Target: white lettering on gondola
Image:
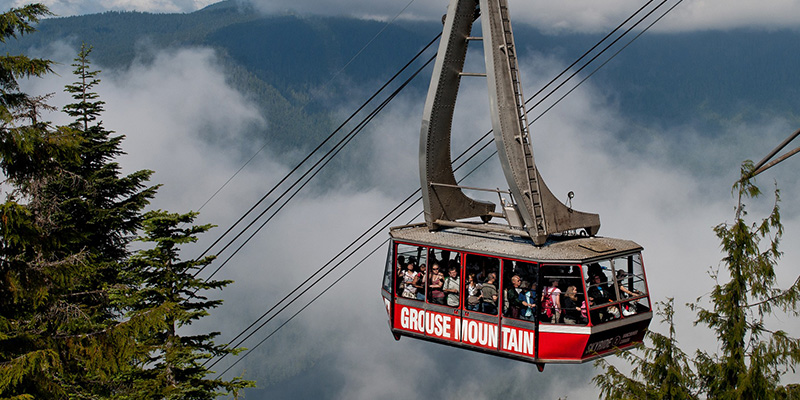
425	322
518	340
480	333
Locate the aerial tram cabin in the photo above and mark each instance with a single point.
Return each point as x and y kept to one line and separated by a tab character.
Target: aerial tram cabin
551	290
609	307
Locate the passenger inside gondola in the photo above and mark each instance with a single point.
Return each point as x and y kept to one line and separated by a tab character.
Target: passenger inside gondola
511	303
435	284
401	267
419	282
409	276
473	290
600	293
552	301
489	295
451	286
528	300
574	311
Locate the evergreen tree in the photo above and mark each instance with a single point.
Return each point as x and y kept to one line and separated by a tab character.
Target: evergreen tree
97	213
67	326
67	220
14	23
171	292
32	153
108	207
751	357
662	370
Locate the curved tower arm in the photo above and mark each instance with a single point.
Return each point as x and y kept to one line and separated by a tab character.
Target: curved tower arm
446	202
542	214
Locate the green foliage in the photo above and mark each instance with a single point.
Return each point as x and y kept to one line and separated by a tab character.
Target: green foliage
14	23
170	291
80	318
662	370
751	357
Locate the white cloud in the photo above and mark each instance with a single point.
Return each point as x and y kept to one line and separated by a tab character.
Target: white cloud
550	16
65	8
601	16
165	104
573	15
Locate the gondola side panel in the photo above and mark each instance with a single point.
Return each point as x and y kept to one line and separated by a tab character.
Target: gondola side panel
413	319
560	342
518	341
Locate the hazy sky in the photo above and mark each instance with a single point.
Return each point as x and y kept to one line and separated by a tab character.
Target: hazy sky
341	347
558	16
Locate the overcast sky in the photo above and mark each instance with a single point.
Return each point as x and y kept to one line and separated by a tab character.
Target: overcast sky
552	16
341	347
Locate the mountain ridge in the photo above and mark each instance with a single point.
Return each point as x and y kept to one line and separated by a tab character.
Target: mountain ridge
660	79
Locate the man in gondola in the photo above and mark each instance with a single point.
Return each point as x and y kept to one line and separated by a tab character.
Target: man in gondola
512	298
599	292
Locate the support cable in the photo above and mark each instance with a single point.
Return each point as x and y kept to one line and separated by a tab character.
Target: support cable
607	47
348	271
307	158
327	158
335	75
604	62
589	51
408	198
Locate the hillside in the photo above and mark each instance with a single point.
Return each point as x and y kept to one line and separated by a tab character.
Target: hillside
708	78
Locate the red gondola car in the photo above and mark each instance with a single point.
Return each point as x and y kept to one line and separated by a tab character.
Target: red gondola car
595	327
550	291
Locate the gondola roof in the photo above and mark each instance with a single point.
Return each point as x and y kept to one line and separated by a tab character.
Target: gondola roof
576	249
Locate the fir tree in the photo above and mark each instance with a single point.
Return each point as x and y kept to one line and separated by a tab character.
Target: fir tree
67	329
171	293
108	209
32	153
662	370
98	212
67	220
14	23
751	358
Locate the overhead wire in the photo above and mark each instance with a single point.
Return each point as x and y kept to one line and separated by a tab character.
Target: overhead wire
417	191
576	72
353	243
325	85
356	265
589	51
334	151
607	61
300	164
350	136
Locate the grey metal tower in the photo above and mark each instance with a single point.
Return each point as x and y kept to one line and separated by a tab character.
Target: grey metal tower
537	211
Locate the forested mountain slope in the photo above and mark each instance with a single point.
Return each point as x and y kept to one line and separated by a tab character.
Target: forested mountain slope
286	60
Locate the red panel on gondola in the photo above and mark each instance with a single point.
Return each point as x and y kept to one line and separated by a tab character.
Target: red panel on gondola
614	339
429	323
490	326
561	346
479	333
518	341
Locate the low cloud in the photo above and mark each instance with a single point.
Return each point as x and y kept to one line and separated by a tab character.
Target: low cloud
572	16
549	16
65	8
182	120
